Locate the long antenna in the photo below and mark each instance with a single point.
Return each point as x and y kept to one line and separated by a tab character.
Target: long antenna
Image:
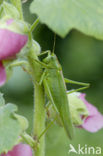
54	43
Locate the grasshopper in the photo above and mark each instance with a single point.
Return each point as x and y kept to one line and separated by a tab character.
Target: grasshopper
55	88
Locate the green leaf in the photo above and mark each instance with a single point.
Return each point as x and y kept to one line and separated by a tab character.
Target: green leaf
63	15
2	101
10	10
10	128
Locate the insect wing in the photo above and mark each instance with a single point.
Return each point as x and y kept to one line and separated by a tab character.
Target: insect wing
56	91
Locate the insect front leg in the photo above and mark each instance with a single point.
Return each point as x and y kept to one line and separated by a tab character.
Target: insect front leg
86	85
42	64
45	52
42	77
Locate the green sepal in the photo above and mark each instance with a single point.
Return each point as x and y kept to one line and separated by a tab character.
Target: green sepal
11	10
25	51
77	108
17	26
28	139
18	5
36	46
22	121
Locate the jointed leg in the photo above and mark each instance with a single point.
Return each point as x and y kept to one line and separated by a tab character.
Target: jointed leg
77	90
42	64
76	82
42	77
45	52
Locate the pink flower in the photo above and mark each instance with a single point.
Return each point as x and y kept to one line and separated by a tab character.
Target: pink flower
2	74
20	150
94	121
11	42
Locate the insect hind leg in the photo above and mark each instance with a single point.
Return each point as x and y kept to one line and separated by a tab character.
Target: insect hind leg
77	90
76	82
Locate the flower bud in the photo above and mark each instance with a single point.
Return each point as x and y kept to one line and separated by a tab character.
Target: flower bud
20	150
94	121
2	74
13	37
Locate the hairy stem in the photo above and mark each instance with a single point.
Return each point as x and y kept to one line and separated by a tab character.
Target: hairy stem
39	109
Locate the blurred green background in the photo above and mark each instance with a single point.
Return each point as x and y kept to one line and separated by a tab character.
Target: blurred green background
82	59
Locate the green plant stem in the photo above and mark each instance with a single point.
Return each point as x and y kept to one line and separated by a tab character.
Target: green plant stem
34	25
39	102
